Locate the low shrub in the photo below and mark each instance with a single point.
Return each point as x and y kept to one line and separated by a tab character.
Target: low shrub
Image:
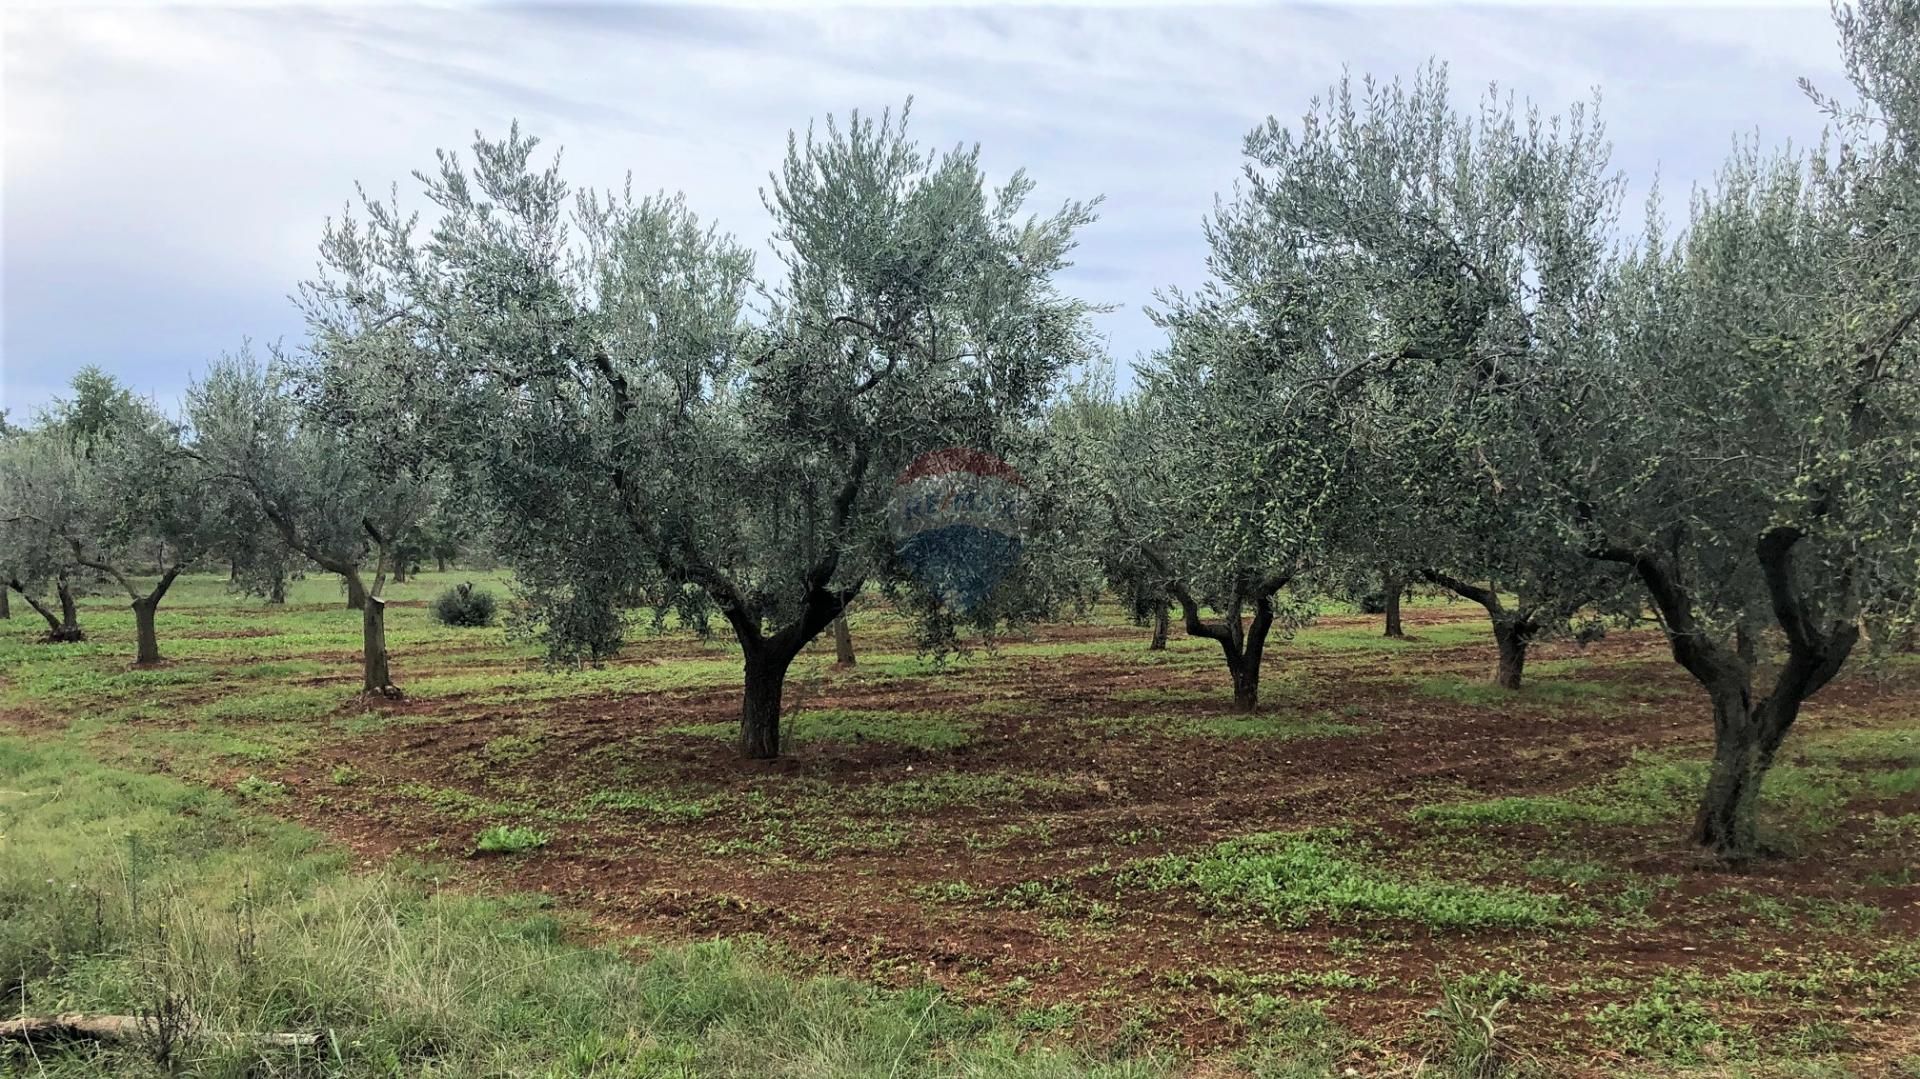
464	605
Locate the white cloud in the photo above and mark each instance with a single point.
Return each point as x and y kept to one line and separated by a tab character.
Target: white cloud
168	168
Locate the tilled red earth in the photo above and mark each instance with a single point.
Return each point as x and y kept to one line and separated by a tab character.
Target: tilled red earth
1007	884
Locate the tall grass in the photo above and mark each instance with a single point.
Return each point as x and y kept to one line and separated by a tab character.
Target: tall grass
136	894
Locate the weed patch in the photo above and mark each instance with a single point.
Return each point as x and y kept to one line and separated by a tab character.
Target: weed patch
510	839
1289	878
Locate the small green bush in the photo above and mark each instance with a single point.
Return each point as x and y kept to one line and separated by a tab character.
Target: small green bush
464	605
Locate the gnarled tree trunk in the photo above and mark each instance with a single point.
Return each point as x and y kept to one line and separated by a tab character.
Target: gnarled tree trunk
1246	682
356	592
1243	643
55	632
6	604
69	613
1727	821
766	680
1746	733
147	641
1159	642
1513	631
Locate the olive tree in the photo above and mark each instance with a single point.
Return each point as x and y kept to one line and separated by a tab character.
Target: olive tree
1469	251
1237	470
36	469
1746	426
259	562
114	490
324	493
1220	470
1085	446
646	441
138	491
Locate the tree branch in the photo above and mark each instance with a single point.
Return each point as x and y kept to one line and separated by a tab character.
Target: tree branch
1485	597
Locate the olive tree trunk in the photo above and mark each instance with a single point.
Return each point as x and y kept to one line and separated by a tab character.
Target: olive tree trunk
55	631
842	643
1159	642
356	592
1513	630
69	613
1242	642
147	646
1395	586
6	605
1512	635
147	650
769	655
1246	682
766	682
1747	733
1727	820
375	677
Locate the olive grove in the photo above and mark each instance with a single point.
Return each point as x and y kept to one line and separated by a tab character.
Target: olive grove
1423	356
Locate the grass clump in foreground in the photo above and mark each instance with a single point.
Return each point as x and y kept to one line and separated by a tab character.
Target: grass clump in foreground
1292	877
123	893
510	839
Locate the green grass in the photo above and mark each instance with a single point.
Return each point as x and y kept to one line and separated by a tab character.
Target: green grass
1668	1024
1369	638
119	892
1290	878
253	703
255	789
944	790
1895	783
1538	691
921	730
513	748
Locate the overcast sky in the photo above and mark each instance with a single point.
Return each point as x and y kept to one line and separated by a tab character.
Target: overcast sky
168	169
